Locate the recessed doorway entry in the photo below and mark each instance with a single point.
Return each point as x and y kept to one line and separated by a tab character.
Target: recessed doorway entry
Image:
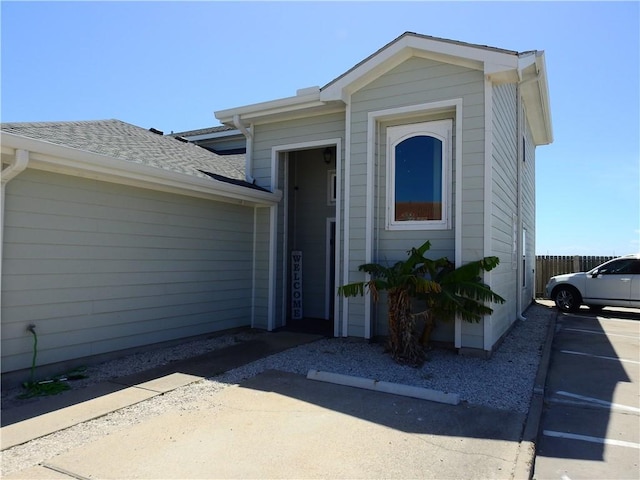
310	243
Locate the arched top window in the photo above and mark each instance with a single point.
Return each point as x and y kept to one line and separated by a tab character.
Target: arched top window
418	175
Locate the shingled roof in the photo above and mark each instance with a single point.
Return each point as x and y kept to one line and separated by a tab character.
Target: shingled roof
204	131
123	141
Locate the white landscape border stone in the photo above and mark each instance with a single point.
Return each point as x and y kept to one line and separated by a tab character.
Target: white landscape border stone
386	387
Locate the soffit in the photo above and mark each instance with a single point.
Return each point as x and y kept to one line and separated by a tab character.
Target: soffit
535	96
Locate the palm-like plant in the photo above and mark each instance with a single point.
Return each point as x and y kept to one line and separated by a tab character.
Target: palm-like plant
462	293
447	292
403	281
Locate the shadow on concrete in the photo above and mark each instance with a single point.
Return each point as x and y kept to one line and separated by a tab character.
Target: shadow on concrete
610	312
405	414
584	374
206	365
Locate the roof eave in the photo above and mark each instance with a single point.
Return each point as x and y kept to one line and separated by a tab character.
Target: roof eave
408	45
210	136
277	109
535	94
71	161
499	66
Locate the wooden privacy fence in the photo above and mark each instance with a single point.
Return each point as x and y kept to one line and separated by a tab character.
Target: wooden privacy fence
549	265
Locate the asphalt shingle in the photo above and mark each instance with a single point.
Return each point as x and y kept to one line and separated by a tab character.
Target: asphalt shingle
123	141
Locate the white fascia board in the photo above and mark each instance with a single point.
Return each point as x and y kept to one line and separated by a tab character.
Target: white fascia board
412	46
210	136
464	52
544	96
71	161
367	72
272	107
5	150
295	114
535	94
526	60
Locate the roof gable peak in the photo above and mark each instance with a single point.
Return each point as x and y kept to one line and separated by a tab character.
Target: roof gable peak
410	44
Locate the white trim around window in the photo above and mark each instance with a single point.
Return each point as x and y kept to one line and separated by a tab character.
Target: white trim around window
373	118
435	197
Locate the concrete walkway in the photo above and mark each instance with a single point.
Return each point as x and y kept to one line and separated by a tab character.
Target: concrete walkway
23	424
280	425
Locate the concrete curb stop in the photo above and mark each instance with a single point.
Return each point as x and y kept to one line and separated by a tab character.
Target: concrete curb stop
525	459
386	387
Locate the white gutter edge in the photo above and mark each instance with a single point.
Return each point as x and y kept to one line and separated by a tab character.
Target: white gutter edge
541	66
273	106
19	165
208	136
92	165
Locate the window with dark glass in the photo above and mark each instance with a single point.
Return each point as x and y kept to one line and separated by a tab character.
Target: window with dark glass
620	267
418	179
418	173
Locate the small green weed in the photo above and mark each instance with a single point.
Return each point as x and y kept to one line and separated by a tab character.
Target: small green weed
44	388
52	386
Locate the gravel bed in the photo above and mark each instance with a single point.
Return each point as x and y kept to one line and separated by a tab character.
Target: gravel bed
136	363
505	381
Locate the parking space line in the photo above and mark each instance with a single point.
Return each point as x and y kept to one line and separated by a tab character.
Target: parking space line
587	438
600	333
598	402
604	319
571	352
63	471
623	320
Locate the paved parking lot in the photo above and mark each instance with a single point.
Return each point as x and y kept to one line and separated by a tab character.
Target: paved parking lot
590	427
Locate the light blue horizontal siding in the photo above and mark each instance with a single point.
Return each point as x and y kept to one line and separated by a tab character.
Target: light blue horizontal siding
416	81
267	136
261	281
99	267
310	129
504	204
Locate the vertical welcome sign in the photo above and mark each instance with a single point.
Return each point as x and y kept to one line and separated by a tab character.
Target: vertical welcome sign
296	284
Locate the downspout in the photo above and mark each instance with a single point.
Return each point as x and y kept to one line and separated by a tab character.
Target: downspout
249	154
519	160
18	166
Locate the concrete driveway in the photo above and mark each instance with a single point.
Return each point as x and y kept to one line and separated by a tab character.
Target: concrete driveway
282	425
591	423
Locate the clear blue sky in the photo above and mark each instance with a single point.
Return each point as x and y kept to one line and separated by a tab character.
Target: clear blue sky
170	65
